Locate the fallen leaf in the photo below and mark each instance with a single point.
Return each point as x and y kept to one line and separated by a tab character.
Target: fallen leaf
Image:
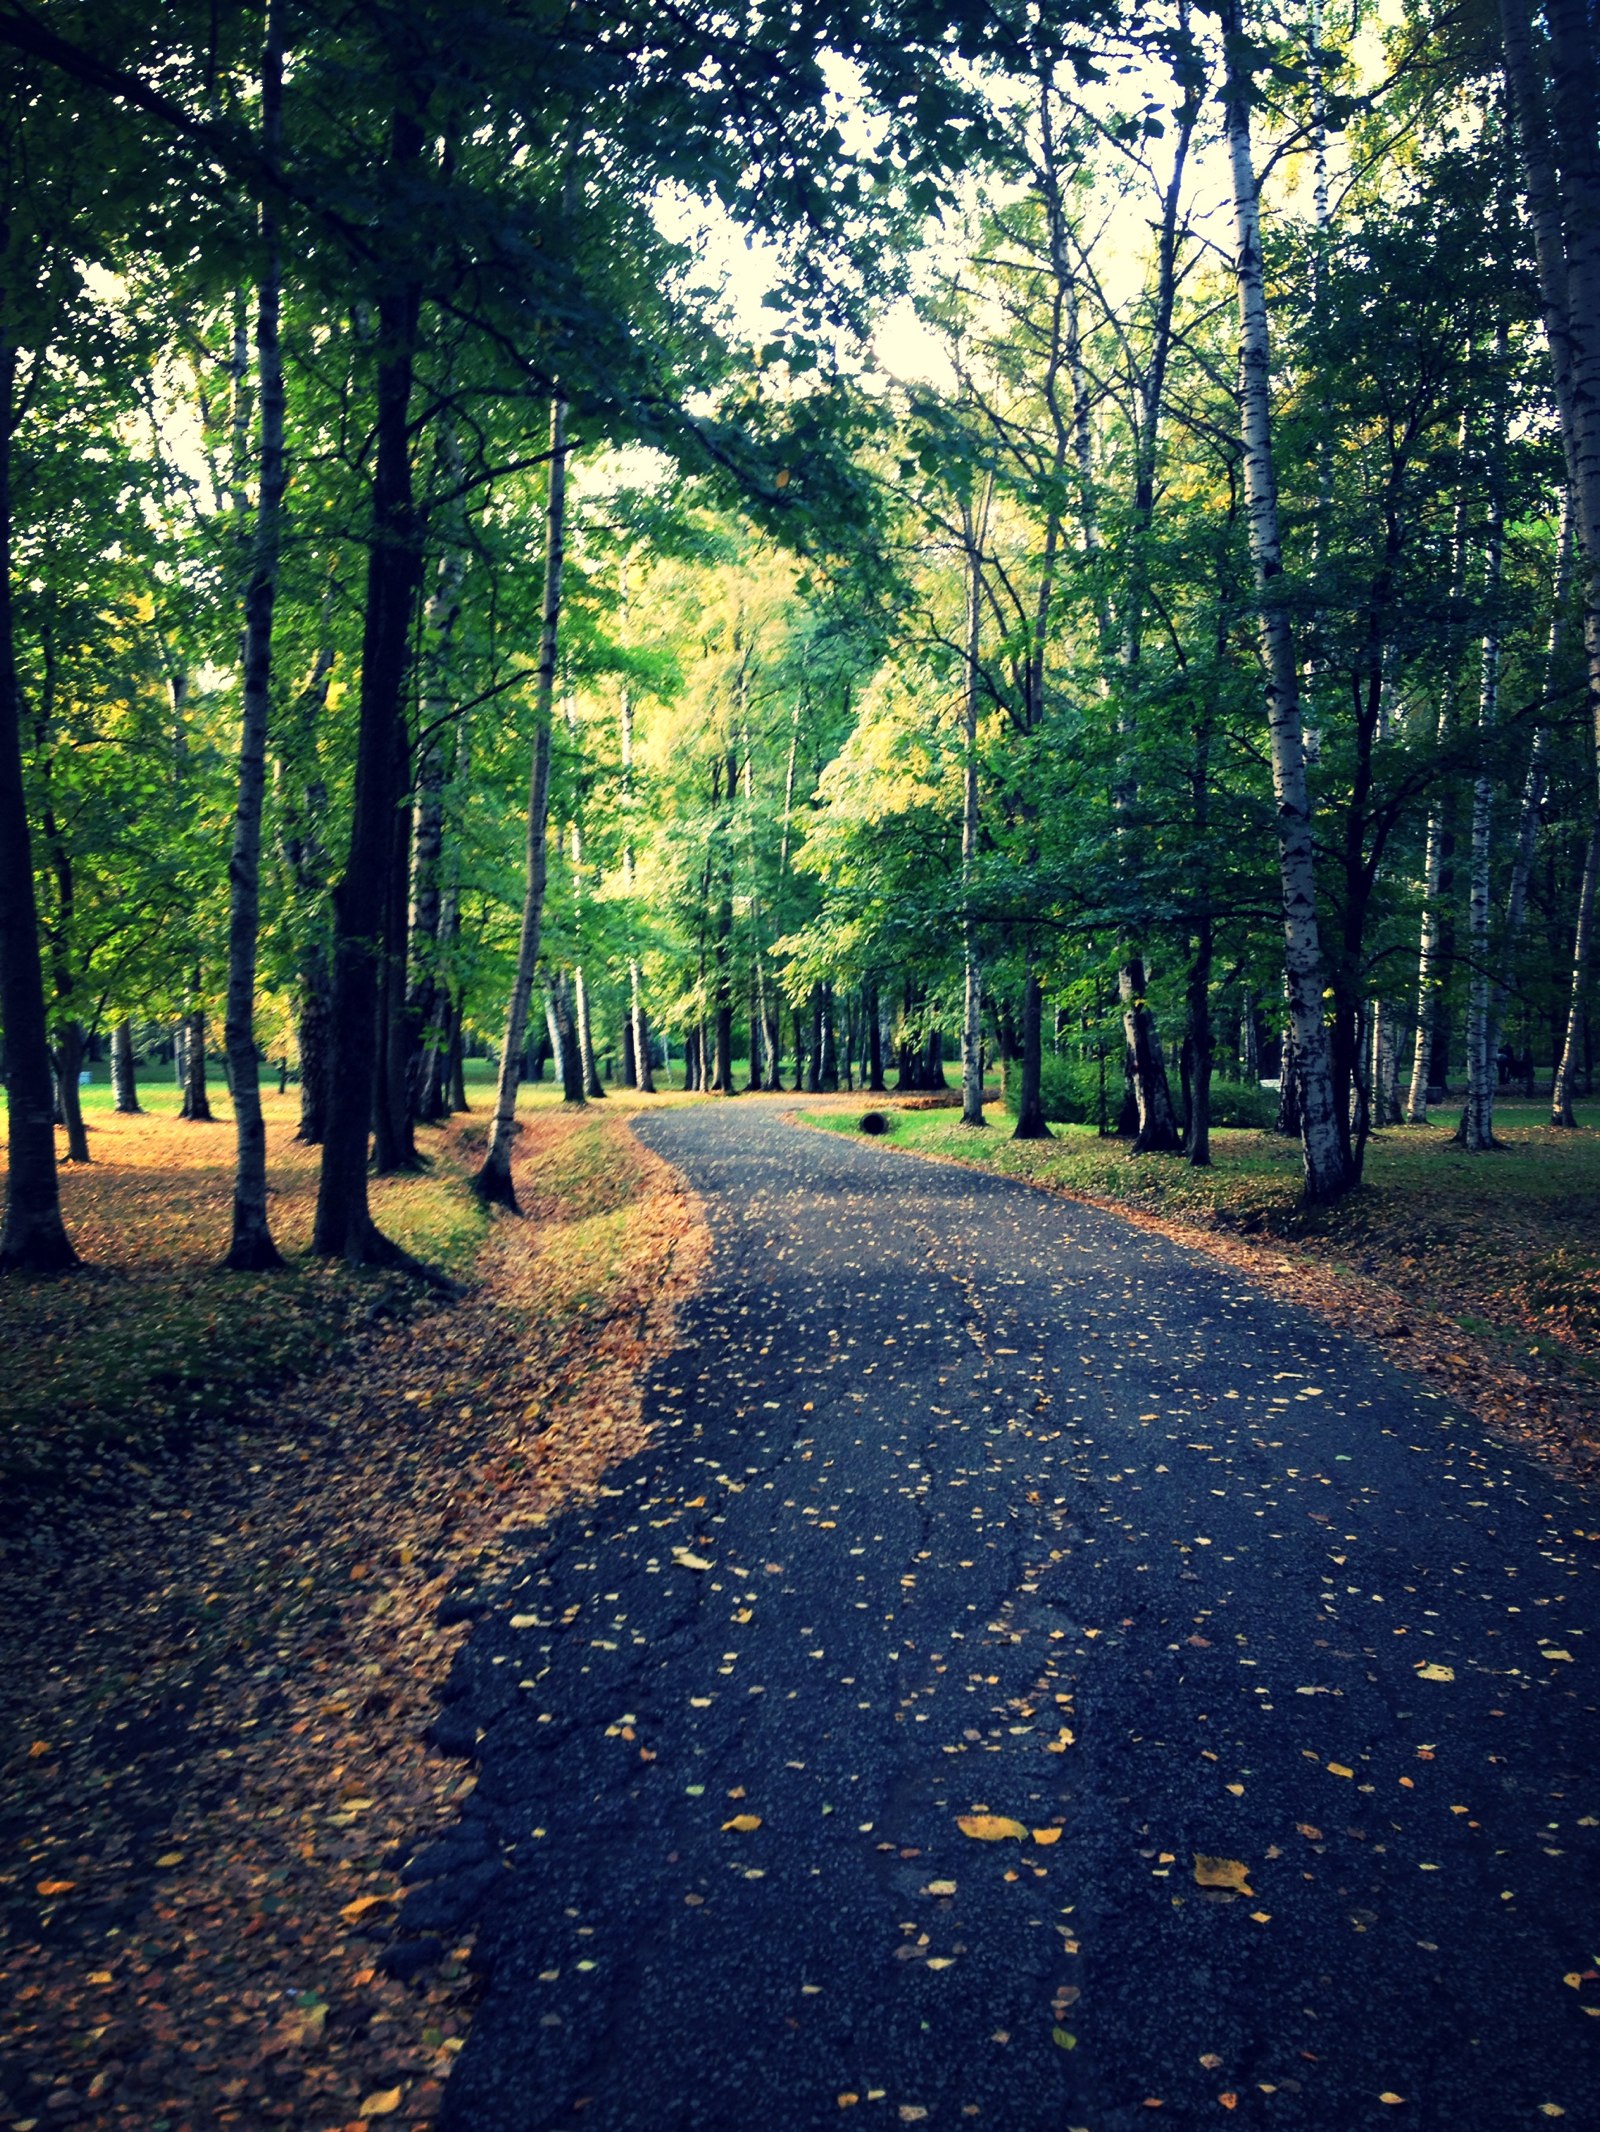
1228	2099
1390	2096
685	1560
1047	1835
56	1887
939	1961
1210	2061
990	1828
1222	1873
743	1823
1436	1672
382	2103
1064	2039
940	1887
361	1905
848	2101
1337	1769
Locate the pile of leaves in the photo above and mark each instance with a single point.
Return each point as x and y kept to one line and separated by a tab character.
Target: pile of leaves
219	1687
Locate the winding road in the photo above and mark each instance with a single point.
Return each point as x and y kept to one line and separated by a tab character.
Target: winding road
969	1503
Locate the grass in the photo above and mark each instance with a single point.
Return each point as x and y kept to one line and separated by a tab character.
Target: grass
1507	1242
152	1340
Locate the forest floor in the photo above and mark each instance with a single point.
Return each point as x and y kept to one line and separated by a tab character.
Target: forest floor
235	1505
1480	1271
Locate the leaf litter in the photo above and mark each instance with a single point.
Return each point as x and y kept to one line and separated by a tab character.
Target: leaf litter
225	1701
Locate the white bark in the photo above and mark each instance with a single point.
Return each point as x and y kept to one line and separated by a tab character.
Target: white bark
494	1179
972	1014
1476	1131
1324	1135
252	1248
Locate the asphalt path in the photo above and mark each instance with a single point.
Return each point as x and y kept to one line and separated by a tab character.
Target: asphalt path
968	1501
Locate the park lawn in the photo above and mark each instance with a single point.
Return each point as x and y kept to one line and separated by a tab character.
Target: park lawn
1504	1247
151	1341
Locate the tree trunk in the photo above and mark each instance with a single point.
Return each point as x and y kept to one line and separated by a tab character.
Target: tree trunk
1324	1134
1534	785
344	1225
34	1239
1030	1098
1157	1129
592	1084
874	1042
972	1001
493	1181
67	1059
1556	133
251	1249
1476	1130
124	1080
196	1103
828	1075
1428	978
425	976
1561	1090
638	1020
565	1029
313	1034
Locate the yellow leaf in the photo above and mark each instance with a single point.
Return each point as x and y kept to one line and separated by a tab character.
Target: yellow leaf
1390	2096
990	1828
938	1961
743	1823
1337	1769
382	2103
940	1887
1222	1873
1261	1917
1436	1672
56	1887
170	1858
1236	1789
1047	1835
524	1621
685	1560
1551	2109
361	1905
848	2101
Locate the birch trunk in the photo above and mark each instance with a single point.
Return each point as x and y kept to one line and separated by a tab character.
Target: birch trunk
1476	1130
1533	788
972	1015
425	975
251	1249
1556	126
1324	1135
1561	1110
644	1078
493	1181
196	1104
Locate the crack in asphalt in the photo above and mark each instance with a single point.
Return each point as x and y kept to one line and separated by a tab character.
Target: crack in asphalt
1010	1508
